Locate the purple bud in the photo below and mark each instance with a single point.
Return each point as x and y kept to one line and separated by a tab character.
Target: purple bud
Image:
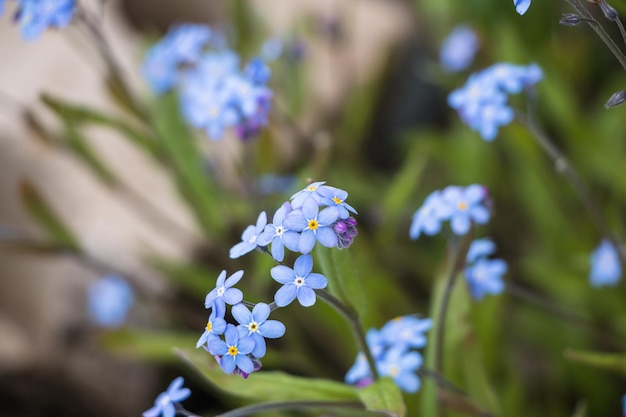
340	227
364	382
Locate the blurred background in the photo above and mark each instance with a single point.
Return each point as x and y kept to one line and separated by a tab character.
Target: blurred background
91	206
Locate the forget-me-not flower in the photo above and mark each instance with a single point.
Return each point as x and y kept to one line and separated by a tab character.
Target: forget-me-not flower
312	190
335	197
401	366
109	299
256	325
164	404
214	327
406	332
428	218
298	282
35	16
480	248
466	205
458	49
279	236
223	293
521	6
605	265
233	352
485	277
251	237
313	225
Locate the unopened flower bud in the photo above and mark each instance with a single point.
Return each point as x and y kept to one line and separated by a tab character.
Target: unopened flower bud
616	99
609	12
570	19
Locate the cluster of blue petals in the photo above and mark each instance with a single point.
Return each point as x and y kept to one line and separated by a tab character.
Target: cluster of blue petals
215	92
482	101
460	205
164	405
606	269
35	16
484	275
394	349
458	49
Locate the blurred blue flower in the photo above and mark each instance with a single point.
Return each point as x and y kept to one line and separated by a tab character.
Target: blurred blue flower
109	299
624	405
1	7
480	248
215	326
458	49
401	366
256	325
485	277
605	265
251	237
482	101
428	217
280	236
297	282
223	293
521	6
313	225
272	49
35	16
406	332
234	351
466	205
164	404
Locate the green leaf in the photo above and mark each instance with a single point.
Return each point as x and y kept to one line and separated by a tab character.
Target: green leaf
154	345
196	279
267	385
383	395
47	219
83	150
612	361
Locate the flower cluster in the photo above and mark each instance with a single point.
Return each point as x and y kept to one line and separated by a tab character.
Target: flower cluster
605	265
318	213
483	275
482	101
460	205
215	94
164	405
393	348
458	49
35	16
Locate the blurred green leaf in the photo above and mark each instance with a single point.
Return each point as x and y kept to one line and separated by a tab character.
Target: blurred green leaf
383	395
148	345
81	147
194	278
267	385
612	361
47	219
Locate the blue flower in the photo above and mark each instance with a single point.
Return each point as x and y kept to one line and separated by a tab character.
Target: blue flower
360	373
313	225
459	48
251	237
485	277
482	101
234	351
605	265
35	16
164	404
109	300
624	405
335	197
401	366
257	71
279	235
406	332
257	326
186	42
297	282
1	7
272	49
521	6
428	218
223	293
466	204
312	190
480	248
215	326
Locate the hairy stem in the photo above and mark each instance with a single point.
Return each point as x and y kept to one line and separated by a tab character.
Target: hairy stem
352	318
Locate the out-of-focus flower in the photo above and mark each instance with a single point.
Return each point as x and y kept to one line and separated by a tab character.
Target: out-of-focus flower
35	16
521	6
109	299
458	49
484	276
164	404
605	265
401	365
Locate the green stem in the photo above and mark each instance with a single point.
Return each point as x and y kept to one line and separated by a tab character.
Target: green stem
353	318
599	29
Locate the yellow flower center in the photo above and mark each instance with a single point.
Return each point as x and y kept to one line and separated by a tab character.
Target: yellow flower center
311	188
394	371
232	351
337	200
209	326
313	224
462	206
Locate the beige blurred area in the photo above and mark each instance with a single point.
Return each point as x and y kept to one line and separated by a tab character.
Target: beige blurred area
42	297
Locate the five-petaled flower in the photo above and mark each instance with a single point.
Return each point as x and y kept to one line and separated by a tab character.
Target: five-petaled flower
164	404
256	325
223	293
234	351
297	282
313	225
214	327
